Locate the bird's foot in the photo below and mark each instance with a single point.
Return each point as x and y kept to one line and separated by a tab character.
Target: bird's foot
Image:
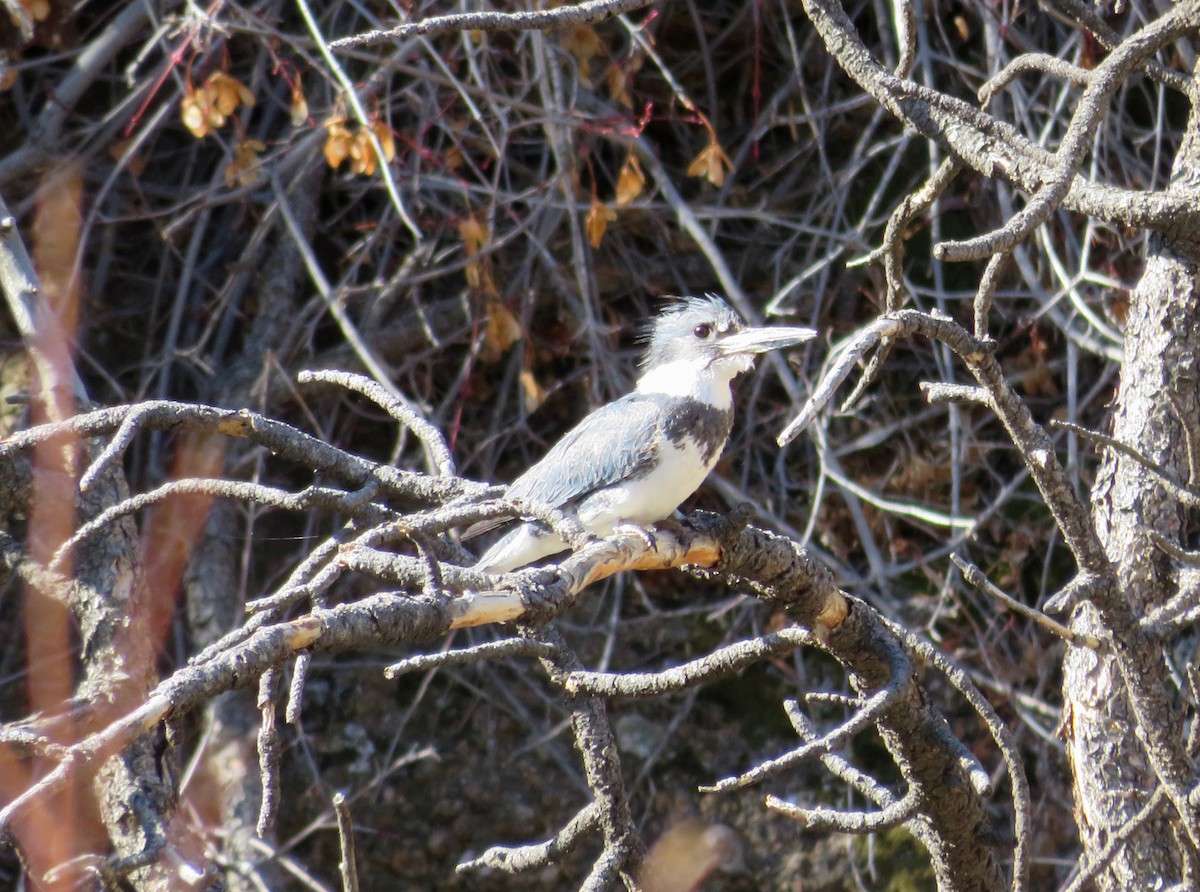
629	528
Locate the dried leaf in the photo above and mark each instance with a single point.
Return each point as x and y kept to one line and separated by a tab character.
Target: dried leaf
583	43
598	218
228	92
243	169
473	234
618	85
532	393
197	113
362	154
387	142
630	182
299	110
38	10
711	163
502	331
477	271
338	140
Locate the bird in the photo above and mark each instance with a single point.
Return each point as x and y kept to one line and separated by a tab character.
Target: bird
632	462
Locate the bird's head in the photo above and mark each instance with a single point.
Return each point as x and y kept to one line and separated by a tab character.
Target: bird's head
702	339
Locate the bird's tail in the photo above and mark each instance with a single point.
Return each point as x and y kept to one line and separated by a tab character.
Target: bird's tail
521	546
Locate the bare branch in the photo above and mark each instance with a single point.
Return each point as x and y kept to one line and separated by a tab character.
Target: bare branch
721	662
1032	62
979	579
828	819
429	435
1031	441
519	859
585	13
1187	495
866	716
996	149
345	825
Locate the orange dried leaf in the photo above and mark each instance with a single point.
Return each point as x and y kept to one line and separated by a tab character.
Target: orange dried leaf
194	111
711	163
473	234
337	143
502	331
243	169
362	154
598	218
630	181
387	142
299	110
532	393
39	10
583	43
228	92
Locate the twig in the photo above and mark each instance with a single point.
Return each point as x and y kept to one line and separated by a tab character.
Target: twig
994	148
978	578
1005	742
717	664
268	752
1027	62
489	650
518	859
988	283
836	738
585	13
832	820
348	865
1187	495
1032	442
400	410
1116	840
350	92
1102	82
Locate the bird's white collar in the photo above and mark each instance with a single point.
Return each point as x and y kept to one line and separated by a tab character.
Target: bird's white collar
708	384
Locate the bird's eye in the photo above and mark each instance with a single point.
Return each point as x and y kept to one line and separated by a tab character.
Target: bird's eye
703	330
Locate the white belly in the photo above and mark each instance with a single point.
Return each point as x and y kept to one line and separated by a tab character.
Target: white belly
651	497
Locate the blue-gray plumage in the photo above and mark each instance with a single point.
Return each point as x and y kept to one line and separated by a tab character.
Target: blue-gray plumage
635	460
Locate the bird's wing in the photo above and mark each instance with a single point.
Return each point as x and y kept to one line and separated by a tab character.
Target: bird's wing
604	448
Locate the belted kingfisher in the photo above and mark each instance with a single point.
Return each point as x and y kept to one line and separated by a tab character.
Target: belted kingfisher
634	460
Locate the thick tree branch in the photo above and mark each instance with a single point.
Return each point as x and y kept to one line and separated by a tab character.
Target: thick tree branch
996	149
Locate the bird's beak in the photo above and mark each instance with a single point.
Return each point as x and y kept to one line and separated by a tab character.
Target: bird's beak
760	340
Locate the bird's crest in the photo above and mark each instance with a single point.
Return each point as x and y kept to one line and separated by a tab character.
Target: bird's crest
678	317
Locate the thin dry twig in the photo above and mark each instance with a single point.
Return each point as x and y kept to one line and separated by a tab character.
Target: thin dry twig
585	13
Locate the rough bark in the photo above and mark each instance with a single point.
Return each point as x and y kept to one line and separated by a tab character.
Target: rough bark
1155	413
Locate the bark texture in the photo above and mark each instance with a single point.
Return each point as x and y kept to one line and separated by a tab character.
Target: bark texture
1156	412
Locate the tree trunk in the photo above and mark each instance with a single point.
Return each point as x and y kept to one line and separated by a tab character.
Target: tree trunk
1156	412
